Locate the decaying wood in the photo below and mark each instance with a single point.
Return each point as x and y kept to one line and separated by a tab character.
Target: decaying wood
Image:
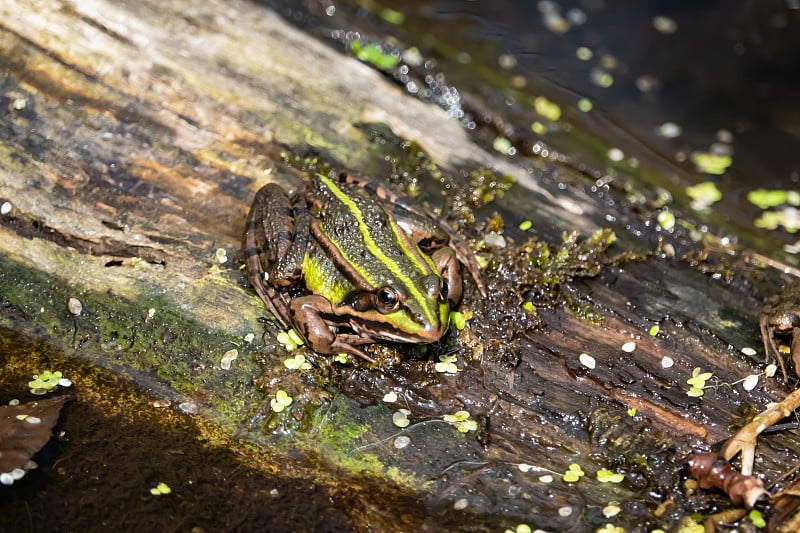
135	135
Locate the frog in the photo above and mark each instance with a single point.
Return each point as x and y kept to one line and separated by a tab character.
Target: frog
346	262
780	318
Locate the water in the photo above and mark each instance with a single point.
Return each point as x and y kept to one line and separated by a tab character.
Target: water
665	80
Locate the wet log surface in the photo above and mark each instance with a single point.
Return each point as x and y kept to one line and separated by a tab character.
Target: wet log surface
134	137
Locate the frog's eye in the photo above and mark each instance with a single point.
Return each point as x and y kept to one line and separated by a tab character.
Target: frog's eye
387	299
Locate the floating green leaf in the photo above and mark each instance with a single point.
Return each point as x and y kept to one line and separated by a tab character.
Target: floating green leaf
461	420
765	199
160	489
549	110
502	145
711	163
607	476
374	55
447	364
298	362
757	519
789	218
46	381
698	382
290	340
281	401
610	528
705	193
391	16
574	473
459	319
666	219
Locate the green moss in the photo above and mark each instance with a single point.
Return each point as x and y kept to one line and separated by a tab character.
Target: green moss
121	335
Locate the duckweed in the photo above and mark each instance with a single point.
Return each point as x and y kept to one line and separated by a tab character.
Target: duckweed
698	382
374	55
710	164
46	381
607	476
447	364
502	145
459	319
160	489
281	401
757	519
391	16
461	421
764	199
704	194
298	362
666	219
574	473
611	528
549	110
290	340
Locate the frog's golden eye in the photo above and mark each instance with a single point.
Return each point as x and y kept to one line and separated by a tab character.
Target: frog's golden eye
387	299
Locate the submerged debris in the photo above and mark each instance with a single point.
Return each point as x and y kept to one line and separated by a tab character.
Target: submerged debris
713	472
24	430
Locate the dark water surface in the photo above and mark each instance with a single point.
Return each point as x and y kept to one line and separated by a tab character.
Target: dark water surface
666	79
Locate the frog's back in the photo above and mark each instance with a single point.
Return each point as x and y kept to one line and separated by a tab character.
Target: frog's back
367	236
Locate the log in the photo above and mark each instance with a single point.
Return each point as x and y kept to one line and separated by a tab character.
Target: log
134	138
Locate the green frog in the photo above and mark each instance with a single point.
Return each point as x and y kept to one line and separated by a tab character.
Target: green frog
346	263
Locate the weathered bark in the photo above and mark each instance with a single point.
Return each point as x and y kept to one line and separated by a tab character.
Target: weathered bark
134	136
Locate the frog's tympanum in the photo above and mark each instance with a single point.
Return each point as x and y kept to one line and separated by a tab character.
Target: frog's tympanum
347	263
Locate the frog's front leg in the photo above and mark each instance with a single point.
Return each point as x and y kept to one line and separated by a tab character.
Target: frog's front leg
449	269
306	314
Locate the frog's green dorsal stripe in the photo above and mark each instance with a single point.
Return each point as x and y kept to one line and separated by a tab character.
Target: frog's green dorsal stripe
390	263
